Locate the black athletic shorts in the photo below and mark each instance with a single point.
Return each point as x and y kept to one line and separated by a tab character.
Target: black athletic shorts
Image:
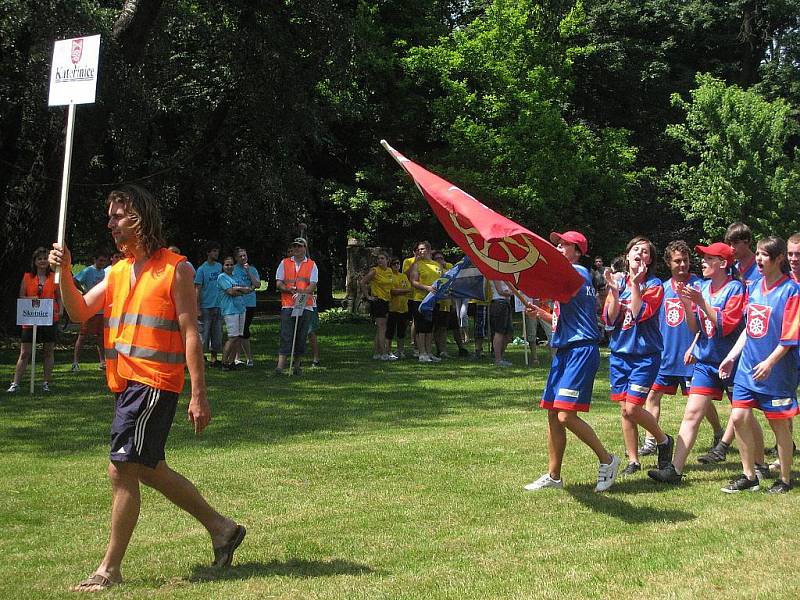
142	419
378	309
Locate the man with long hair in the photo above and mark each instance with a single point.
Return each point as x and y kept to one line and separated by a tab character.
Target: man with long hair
150	337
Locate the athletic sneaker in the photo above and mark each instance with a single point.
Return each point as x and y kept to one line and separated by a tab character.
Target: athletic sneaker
779	487
665	452
649	447
249	364
545	481
384	357
607	474
45	387
13	388
741	484
666	475
762	472
399	354
424	358
315	364
717	454
238	362
75	368
503	363
717	439
391	357
434	358
633	467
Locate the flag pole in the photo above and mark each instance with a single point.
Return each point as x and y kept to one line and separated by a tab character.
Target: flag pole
62	213
525	337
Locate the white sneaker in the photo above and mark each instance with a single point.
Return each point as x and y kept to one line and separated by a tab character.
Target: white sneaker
399	355
503	363
238	362
249	363
384	357
392	357
75	368
607	474
45	387
545	481
434	358
13	388
424	358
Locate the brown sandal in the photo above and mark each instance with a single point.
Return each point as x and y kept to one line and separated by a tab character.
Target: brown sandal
223	555
94	583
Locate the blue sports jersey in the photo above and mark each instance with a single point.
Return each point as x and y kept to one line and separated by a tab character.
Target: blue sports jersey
243	279
637	334
674	330
719	332
576	321
771	320
750	274
206	277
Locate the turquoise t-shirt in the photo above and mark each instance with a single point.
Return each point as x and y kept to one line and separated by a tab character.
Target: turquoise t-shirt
206	277
90	277
243	279
230	305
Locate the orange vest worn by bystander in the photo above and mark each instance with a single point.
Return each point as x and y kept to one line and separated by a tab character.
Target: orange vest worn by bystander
142	337
300	278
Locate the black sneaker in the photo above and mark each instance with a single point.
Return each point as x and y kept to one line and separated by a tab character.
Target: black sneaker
665	452
741	484
717	439
666	475
717	454
779	487
762	472
633	467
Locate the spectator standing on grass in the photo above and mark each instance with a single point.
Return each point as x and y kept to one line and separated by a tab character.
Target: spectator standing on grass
569	385
296	274
151	338
246	276
233	311
397	321
93	326
38	282
413	303
209	301
377	285
423	273
500	323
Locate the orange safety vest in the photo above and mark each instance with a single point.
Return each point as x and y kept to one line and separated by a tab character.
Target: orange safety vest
142	337
301	278
31	284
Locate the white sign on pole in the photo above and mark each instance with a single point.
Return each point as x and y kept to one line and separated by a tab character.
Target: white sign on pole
34	311
73	75
300	300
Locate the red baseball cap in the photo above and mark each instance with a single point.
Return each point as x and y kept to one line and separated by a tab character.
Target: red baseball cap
571	237
718	249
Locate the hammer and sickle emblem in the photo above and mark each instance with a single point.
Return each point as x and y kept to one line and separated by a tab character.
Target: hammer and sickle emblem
511	265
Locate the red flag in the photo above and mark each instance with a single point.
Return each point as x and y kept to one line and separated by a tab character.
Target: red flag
499	247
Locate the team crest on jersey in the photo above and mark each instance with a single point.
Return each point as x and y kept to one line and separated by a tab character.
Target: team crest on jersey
627	321
673	310
556	313
758	320
709	326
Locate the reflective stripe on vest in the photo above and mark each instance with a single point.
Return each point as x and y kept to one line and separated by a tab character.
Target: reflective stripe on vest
142	339
301	278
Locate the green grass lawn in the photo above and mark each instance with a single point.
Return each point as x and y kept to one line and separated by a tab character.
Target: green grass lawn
378	480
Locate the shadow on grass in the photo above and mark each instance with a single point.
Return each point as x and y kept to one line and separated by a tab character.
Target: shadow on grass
625	511
293	567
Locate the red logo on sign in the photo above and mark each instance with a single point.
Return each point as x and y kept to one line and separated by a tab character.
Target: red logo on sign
77	50
758	320
673	310
36	303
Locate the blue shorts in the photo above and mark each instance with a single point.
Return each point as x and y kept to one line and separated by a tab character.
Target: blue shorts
773	407
707	382
669	384
142	419
632	375
569	385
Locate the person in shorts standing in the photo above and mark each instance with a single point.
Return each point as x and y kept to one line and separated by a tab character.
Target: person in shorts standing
93	326
233	311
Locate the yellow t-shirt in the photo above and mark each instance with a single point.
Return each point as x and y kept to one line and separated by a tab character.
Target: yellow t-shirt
429	271
399	304
407	262
380	286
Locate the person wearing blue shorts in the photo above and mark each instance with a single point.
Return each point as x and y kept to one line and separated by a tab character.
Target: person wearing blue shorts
767	375
716	308
630	313
571	379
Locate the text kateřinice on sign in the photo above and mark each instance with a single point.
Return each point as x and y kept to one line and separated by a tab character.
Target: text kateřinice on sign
73	76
